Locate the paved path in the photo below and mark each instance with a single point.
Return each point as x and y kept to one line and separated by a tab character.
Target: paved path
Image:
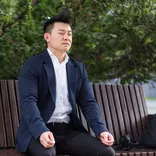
151	105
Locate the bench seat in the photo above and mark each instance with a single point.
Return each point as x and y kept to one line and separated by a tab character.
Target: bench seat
123	108
132	152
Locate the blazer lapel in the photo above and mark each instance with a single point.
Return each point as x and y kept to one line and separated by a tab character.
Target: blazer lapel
72	74
50	75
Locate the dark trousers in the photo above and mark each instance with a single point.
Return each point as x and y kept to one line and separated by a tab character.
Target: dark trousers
70	142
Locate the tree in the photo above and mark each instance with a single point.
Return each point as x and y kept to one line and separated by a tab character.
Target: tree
115	39
21	34
119	39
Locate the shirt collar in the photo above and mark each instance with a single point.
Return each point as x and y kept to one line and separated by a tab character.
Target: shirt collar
53	57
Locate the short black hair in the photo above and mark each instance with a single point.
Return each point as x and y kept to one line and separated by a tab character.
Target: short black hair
64	17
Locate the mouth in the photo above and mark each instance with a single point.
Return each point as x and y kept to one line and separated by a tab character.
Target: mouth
66	43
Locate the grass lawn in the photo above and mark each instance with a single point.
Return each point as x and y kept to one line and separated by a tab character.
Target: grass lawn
150	98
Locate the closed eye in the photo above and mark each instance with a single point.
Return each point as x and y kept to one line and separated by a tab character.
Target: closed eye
61	33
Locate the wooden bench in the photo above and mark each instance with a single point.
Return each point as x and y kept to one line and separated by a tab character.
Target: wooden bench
123	109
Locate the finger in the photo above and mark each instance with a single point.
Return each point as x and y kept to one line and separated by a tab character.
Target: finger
44	143
49	141
110	140
46	140
51	137
108	143
110	137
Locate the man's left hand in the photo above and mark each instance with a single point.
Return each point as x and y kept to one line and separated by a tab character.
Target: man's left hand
106	138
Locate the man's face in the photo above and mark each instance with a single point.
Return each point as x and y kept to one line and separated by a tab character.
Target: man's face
60	38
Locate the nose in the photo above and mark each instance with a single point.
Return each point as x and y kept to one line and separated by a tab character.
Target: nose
65	37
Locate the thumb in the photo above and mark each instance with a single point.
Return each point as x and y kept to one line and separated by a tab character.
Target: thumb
51	137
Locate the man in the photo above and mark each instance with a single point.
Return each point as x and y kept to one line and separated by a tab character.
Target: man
51	84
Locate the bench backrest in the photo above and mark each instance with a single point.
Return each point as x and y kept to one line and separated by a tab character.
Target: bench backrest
123	108
9	112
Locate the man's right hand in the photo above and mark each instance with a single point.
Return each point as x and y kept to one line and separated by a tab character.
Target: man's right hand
47	139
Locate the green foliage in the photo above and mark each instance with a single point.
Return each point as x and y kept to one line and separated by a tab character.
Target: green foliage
115	39
21	34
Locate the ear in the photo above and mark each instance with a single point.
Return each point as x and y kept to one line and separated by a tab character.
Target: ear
46	36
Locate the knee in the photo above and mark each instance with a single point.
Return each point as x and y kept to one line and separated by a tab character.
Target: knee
108	152
49	152
111	152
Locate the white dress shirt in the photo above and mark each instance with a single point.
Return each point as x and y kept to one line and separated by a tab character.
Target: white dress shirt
62	106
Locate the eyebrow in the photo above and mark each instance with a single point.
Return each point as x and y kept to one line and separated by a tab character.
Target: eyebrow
64	30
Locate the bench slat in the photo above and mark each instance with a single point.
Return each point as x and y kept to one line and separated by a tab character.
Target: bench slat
151	153
17	99
10	152
144	104
130	111
124	110
7	114
113	112
97	94
144	154
143	116
13	106
136	110
106	108
3	142
118	110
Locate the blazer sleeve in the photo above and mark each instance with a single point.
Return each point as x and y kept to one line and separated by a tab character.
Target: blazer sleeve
28	94
89	106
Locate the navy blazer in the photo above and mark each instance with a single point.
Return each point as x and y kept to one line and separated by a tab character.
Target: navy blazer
37	92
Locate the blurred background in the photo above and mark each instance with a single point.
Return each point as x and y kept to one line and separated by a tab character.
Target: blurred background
116	39
150	93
